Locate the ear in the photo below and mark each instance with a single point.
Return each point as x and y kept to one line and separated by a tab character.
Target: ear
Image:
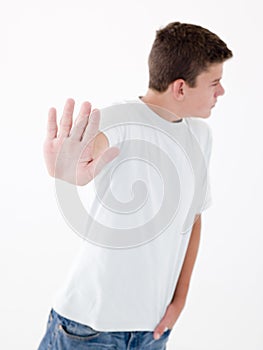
178	89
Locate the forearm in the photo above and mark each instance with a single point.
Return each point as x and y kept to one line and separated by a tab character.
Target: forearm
183	283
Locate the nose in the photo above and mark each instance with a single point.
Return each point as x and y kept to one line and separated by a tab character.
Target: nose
220	91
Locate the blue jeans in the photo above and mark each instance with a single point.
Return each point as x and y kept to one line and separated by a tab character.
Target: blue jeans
64	334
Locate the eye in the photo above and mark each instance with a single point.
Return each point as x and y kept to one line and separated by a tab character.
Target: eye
216	82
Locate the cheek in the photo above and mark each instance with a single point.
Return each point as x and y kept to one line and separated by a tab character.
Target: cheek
202	101
206	100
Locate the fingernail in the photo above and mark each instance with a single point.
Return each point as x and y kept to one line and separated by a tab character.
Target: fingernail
157	336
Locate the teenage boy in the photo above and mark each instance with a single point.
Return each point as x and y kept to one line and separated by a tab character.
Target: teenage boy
129	292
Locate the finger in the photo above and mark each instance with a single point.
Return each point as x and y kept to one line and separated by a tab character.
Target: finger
79	128
92	129
159	330
66	119
157	335
52	127
85	110
81	121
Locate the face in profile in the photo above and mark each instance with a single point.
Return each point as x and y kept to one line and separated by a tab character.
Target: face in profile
203	97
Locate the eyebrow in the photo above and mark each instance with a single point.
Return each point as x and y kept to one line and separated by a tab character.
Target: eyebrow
216	80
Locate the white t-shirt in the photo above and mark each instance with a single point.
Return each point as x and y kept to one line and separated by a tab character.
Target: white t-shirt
142	209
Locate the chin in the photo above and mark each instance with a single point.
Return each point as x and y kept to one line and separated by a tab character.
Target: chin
206	115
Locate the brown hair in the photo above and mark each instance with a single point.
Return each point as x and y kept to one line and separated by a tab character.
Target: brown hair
183	51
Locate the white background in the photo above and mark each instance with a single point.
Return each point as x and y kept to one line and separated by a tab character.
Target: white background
97	51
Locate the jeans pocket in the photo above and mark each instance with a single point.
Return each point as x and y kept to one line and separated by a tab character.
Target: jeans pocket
50	319
77	331
167	332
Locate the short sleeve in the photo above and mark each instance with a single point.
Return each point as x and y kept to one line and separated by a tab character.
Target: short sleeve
208	197
113	135
111	126
206	181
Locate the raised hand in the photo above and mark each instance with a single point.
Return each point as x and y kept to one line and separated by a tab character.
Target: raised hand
76	154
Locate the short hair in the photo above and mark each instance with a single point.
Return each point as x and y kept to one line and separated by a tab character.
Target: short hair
183	51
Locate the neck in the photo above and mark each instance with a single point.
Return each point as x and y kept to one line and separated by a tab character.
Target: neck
162	105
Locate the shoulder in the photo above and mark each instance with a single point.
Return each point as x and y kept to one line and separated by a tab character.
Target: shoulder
198	125
203	134
200	129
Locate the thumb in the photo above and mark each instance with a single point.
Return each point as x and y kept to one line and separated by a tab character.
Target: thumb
159	330
104	158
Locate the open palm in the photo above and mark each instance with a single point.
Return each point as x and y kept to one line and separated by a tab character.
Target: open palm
69	151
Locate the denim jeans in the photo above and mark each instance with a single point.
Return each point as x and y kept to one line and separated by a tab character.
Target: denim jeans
64	334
